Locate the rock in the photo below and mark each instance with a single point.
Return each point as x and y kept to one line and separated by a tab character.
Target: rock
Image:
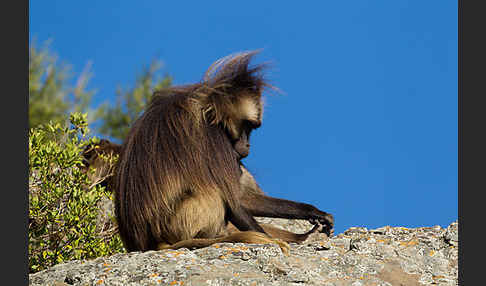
384	256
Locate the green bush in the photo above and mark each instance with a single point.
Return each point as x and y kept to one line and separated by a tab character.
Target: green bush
63	203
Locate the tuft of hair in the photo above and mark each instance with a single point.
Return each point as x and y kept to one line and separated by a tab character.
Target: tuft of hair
230	92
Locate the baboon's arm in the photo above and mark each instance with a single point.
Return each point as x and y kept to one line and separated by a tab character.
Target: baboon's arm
243	220
265	206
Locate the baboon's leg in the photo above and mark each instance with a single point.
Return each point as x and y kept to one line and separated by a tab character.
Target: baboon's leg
197	216
279	233
249	188
241	236
200	222
265	206
288	236
243	220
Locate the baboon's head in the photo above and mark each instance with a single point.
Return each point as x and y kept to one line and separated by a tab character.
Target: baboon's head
229	97
99	158
232	98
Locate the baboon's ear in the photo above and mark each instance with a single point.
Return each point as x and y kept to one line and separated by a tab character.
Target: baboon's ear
231	92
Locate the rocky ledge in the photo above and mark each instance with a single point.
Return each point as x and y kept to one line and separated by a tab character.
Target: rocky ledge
359	256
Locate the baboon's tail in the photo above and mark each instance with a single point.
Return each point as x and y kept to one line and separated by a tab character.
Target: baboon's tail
235	237
279	233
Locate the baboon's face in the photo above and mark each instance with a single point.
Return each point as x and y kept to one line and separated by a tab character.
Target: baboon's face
242	143
91	152
248	117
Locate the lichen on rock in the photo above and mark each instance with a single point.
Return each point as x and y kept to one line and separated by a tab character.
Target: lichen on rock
358	256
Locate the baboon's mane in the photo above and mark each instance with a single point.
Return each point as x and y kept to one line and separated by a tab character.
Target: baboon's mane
179	147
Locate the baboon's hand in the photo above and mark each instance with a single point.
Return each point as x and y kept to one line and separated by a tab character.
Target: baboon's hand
326	220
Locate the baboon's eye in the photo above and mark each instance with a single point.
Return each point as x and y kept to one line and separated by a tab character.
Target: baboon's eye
248	126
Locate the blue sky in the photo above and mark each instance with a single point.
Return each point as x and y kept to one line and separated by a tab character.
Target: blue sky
367	126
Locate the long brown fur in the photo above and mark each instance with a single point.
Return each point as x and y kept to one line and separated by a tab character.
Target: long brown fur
177	182
95	157
178	174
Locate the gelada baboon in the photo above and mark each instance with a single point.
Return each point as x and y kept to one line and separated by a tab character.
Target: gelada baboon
95	157
99	161
177	181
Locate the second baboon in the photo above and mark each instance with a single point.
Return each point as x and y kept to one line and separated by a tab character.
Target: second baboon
99	161
177	181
